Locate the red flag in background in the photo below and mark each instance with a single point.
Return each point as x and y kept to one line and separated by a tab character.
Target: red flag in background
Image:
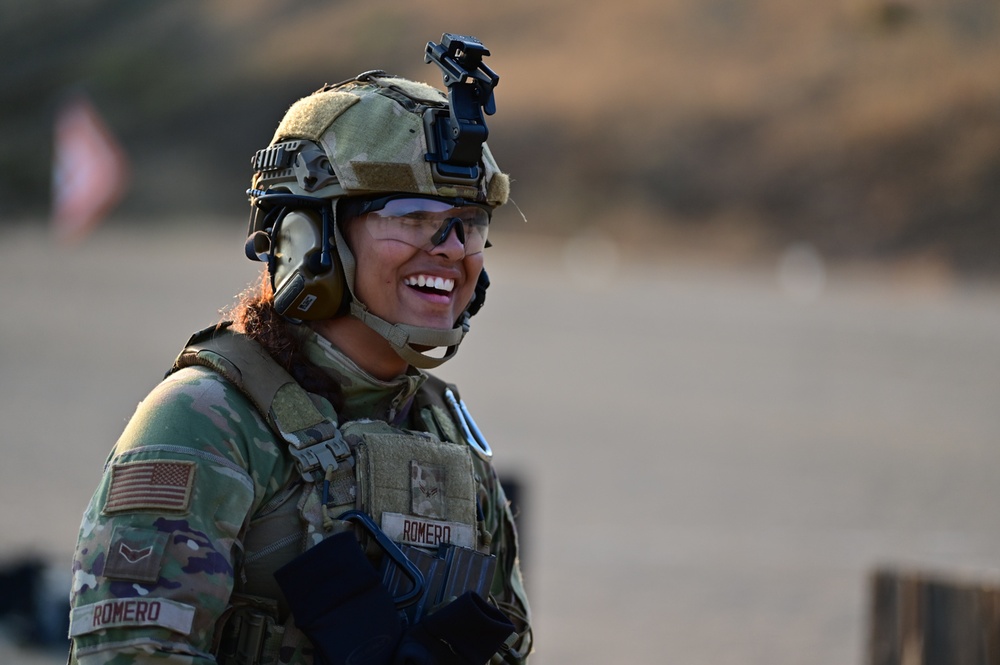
89	173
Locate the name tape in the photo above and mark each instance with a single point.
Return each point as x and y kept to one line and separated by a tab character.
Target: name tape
124	612
423	532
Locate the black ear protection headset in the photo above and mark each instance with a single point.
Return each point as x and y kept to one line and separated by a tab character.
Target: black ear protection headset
293	234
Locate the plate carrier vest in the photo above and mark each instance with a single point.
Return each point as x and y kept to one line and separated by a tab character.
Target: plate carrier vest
340	468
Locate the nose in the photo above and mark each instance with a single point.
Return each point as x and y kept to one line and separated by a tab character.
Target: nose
452	245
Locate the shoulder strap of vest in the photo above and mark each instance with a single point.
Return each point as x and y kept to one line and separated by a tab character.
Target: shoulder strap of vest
313	439
437	393
432	391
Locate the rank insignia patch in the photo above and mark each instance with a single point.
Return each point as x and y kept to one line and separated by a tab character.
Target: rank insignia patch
427	490
150	486
135	554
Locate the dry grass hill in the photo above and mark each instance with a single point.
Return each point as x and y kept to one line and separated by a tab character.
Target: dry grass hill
870	128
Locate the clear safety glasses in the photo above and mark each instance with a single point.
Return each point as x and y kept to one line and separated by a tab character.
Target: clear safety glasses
425	222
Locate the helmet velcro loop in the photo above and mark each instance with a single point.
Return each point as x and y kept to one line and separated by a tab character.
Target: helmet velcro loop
384	177
311	116
498	189
497	182
415	90
377	147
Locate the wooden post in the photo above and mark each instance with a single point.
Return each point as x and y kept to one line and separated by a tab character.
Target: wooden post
918	618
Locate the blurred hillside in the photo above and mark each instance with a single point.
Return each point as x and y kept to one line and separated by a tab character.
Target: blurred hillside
870	128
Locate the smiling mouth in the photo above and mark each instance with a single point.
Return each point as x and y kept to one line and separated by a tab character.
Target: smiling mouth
429	284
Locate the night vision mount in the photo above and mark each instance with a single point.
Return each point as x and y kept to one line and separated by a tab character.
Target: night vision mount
459	136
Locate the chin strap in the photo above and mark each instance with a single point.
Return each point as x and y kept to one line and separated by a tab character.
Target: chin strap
404	339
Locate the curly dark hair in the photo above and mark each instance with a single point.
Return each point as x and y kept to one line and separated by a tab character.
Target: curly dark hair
254	316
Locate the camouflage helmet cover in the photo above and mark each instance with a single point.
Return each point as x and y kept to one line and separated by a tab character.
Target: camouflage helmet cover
375	132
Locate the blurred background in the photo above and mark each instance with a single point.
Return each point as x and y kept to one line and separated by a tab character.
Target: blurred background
865	127
741	344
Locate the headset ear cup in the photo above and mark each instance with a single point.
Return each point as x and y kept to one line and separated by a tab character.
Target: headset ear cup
305	288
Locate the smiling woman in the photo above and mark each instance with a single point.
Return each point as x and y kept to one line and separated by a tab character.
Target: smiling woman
427	285
299	489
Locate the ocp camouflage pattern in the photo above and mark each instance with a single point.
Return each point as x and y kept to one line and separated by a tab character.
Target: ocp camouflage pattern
150	585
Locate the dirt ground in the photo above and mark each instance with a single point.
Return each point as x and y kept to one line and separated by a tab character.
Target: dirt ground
713	459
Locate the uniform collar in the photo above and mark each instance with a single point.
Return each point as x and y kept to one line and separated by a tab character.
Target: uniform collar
365	396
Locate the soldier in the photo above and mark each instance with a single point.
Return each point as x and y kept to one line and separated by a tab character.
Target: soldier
299	489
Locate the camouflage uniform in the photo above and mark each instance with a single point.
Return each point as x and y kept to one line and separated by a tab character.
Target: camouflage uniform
160	557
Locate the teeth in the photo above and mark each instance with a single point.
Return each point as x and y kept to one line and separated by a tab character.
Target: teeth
437	283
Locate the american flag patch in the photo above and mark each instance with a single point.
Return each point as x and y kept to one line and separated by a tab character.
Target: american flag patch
150	486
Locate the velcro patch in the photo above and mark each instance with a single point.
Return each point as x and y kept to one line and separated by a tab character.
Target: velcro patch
128	612
427	490
135	554
155	485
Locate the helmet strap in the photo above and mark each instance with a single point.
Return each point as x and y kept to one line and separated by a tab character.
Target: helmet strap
405	338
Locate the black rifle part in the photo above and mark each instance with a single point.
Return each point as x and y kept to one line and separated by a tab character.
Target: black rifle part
448	573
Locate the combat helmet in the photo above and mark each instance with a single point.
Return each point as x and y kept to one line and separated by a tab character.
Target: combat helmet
372	135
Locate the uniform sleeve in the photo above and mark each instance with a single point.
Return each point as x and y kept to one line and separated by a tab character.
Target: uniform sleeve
508	584
153	568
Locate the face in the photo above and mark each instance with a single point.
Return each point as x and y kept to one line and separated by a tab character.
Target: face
405	284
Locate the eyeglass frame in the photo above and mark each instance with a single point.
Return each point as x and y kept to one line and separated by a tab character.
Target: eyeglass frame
357	207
